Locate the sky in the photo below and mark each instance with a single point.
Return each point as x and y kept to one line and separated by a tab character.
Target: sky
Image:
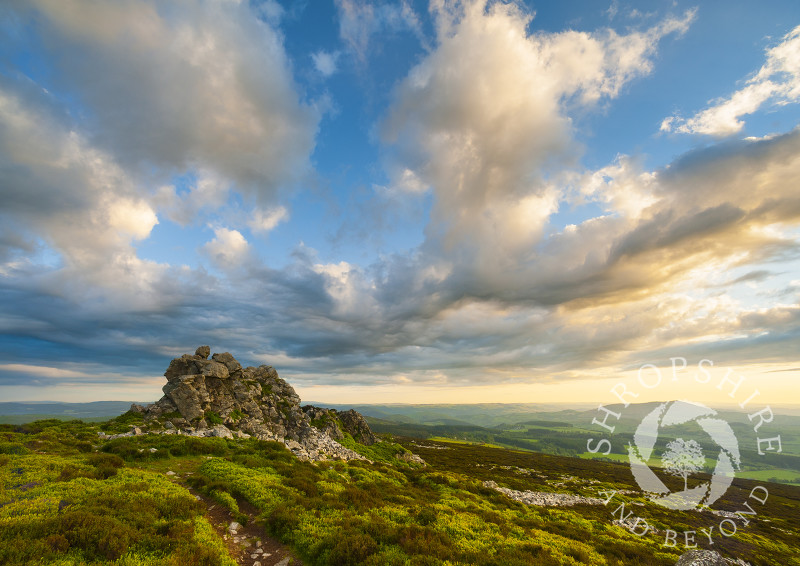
400	201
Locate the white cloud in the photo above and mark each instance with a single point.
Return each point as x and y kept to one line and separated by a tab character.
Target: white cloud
267	220
778	81
229	249
43	371
57	187
182	85
359	20
325	62
484	118
210	191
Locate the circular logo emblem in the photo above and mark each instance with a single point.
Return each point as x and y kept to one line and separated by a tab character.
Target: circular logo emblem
683	458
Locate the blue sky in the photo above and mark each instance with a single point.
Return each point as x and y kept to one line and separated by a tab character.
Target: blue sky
398	201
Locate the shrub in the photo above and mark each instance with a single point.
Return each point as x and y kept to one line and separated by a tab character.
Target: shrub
213	418
108	460
283	521
101	536
352	550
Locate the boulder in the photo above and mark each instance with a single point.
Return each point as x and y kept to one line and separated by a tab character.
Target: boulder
354	423
228	361
203	352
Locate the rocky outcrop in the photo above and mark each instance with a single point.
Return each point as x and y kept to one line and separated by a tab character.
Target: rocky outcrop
336	423
218	397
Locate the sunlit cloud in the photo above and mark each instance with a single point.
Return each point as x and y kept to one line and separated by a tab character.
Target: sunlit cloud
778	82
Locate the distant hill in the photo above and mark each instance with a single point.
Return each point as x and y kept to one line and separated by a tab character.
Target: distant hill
20	413
481	414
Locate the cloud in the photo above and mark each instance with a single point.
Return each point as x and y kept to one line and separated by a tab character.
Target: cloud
182	85
360	20
208	192
777	81
483	119
229	249
267	220
325	62
77	199
482	126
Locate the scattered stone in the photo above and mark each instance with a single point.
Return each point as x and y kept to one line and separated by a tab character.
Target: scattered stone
285	562
153	450
701	558
171	473
234	527
411	458
544	498
256	563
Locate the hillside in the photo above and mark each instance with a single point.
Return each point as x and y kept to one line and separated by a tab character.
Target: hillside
71	497
229	469
560	431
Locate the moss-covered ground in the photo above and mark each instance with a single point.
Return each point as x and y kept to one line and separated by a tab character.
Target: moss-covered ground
68	498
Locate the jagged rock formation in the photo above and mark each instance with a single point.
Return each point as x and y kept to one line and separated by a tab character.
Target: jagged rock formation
336	423
218	397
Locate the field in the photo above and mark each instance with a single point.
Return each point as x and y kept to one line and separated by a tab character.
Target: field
67	498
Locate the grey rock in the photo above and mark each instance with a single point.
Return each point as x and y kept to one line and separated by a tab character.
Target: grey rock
252	402
227	360
358	428
211	368
701	558
221	431
544	498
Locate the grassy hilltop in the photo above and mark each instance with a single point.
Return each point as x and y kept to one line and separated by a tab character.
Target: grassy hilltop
68	498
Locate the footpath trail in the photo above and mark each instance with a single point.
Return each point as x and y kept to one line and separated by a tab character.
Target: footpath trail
249	545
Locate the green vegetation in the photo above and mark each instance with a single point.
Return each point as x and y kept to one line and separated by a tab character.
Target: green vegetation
213	418
68	508
69	497
387	452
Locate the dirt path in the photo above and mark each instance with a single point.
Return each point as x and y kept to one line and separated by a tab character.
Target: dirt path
249	545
